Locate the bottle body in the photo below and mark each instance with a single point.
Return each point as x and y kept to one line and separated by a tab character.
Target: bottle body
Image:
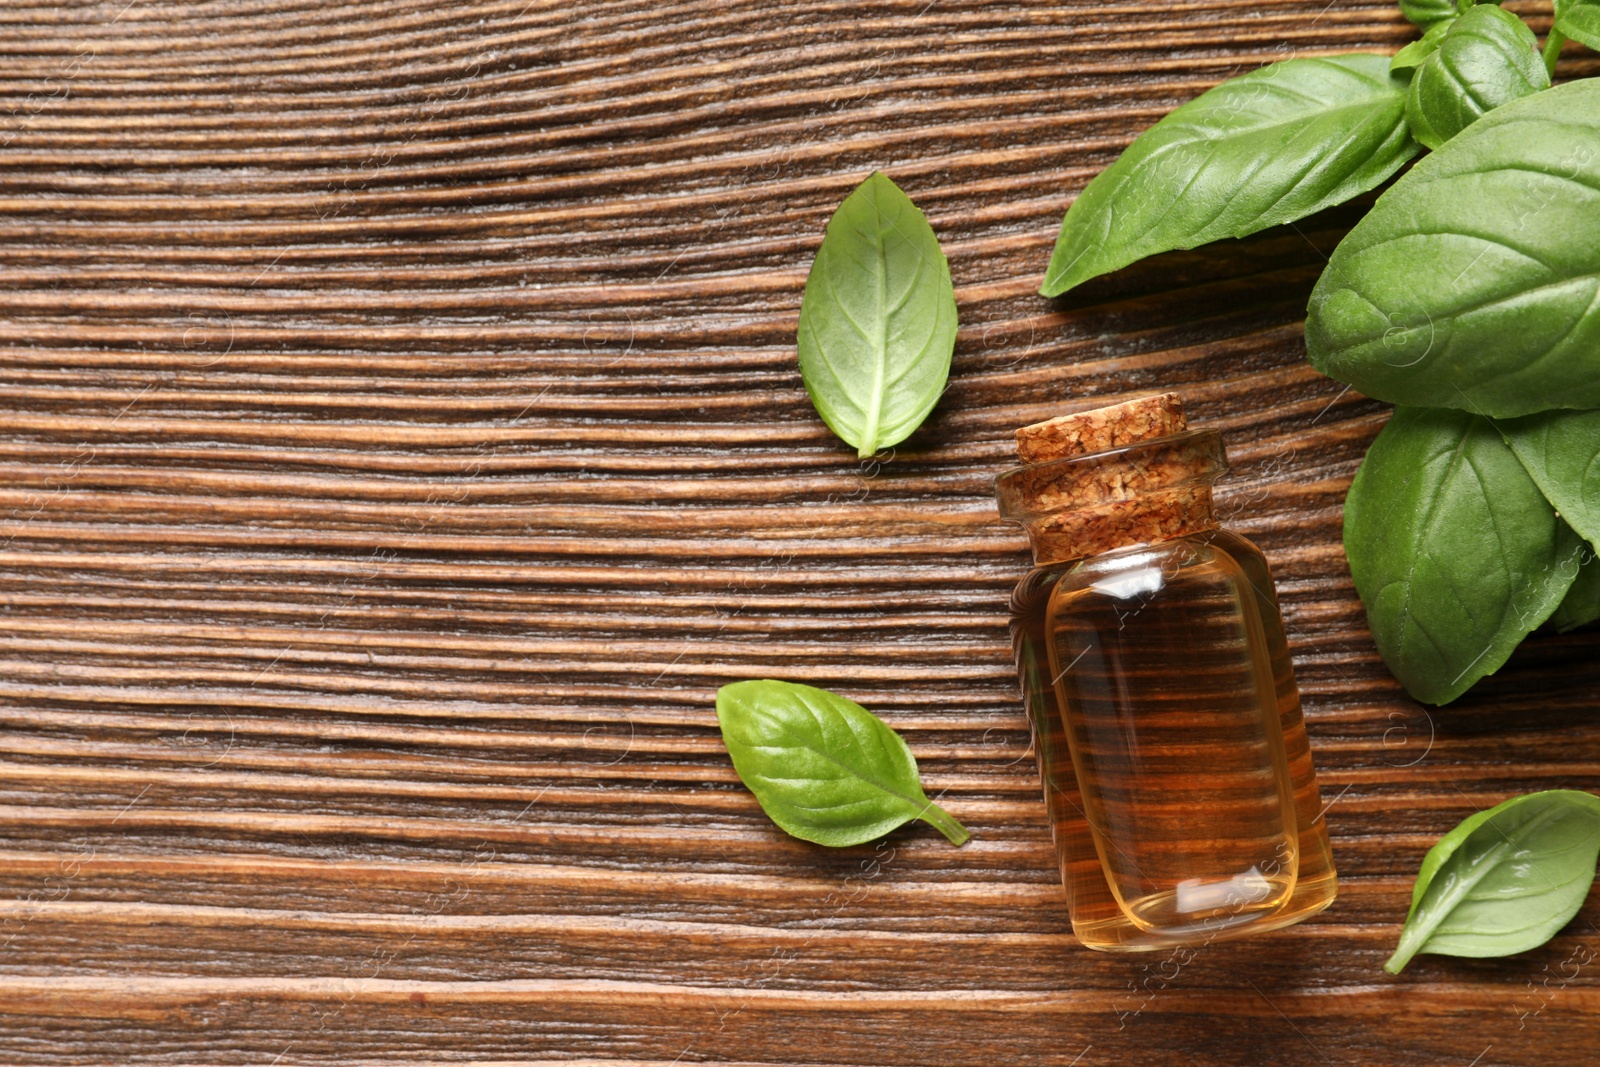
1171	743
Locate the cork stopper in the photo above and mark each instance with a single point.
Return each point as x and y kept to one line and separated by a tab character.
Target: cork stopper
1102	428
1098	480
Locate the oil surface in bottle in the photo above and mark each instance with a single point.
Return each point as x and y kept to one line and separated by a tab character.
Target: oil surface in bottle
1171	743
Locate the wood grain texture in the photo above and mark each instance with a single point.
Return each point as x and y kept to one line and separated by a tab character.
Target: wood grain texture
401	439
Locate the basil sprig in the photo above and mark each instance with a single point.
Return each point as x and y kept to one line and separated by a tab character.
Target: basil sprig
1473	284
1505	880
878	319
824	768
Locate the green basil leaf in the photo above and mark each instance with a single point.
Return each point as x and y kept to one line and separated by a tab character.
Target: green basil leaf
1260	150
1414	53
1579	20
1505	880
822	767
878	319
1581	605
1429	13
1472	282
1454	552
1561	451
1486	58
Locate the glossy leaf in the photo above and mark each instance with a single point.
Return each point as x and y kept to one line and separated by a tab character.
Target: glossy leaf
1561	451
824	768
1505	880
1455	553
1485	58
1579	20
878	319
1473	281
1260	150
1429	13
1581	605
1414	53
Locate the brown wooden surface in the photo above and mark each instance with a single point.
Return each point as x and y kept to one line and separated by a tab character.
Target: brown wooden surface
402	440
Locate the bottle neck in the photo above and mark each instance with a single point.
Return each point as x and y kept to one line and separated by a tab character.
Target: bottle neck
1085	505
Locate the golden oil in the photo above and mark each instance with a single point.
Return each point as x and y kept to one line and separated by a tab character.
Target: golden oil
1157	677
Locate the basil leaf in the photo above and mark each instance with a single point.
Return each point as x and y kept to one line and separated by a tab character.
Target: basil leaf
1581	605
1561	451
1485	58
1455	553
1429	13
1260	150
1505	880
1579	20
1472	282
1414	53
878	319
822	767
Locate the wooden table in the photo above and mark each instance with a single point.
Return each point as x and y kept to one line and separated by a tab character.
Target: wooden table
401	440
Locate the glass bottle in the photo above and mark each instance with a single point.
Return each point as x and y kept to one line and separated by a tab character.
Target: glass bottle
1176	767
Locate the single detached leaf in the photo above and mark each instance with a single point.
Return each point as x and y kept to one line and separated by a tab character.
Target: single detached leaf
1581	605
1429	13
1561	451
1485	58
878	319
1505	880
822	767
1474	281
1260	150
1579	20
1414	53
1455	553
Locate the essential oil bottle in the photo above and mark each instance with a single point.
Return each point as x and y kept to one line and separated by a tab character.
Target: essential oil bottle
1156	674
